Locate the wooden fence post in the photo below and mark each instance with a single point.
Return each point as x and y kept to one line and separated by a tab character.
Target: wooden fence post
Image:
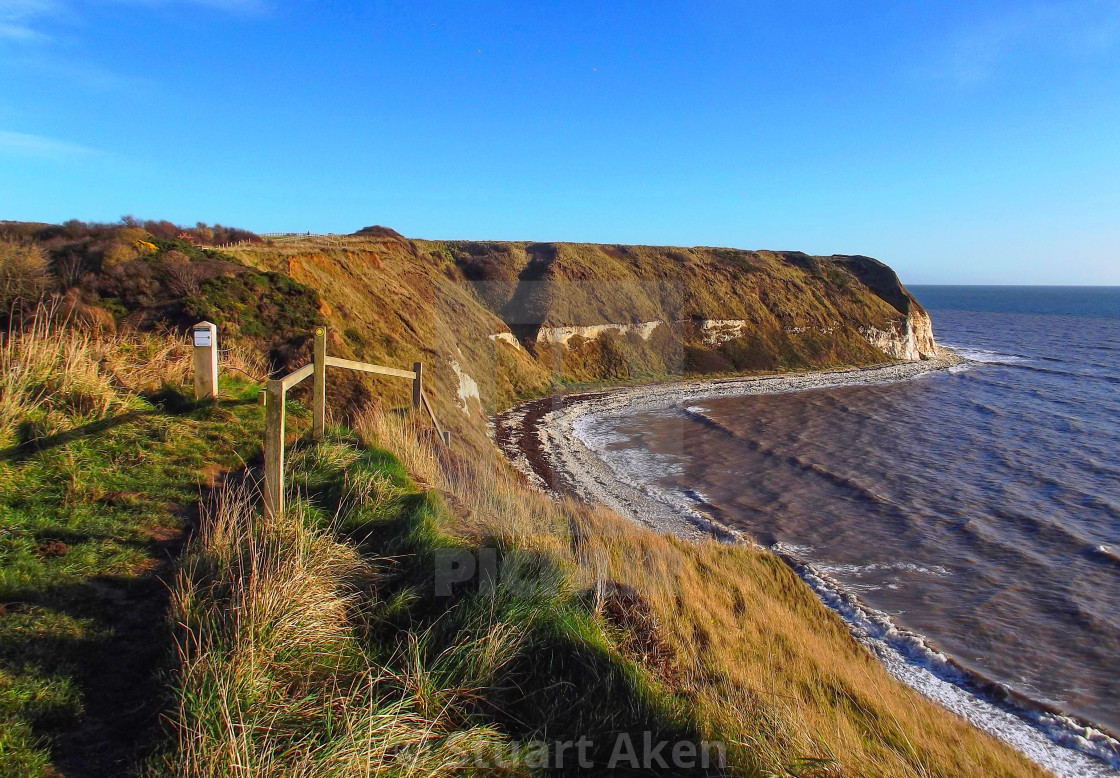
274	450
205	360
319	390
417	385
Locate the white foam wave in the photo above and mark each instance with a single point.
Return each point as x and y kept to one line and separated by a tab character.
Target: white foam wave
1108	552
1058	743
848	569
988	356
792	550
697	496
639	468
595	435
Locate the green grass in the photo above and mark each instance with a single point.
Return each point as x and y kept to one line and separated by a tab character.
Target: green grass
487	667
90	517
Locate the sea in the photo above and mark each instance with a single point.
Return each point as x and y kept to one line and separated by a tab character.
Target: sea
970	517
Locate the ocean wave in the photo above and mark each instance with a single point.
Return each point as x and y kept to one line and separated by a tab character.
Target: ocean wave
782	548
987	410
639	468
1107	552
846	482
1100	504
992	357
974	354
1058	742
697	497
595	435
643	466
849	569
1110	379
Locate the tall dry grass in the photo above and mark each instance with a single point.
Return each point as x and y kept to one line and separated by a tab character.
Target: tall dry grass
767	666
489	500
275	679
55	376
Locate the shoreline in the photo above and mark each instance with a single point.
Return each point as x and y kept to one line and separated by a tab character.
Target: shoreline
552	441
557	458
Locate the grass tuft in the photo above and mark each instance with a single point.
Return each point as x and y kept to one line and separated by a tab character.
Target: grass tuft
274	678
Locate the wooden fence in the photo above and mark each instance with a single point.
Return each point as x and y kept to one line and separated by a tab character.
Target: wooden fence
275	392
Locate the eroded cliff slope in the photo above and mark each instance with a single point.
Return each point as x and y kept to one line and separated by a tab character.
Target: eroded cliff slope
595	312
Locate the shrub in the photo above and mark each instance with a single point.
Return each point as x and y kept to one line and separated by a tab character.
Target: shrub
23	272
118	253
69	267
262	305
178	249
174	255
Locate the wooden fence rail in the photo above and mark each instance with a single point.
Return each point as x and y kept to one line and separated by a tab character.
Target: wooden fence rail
366	367
276	390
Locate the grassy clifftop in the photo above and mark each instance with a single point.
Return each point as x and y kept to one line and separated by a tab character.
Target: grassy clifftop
578	313
706	310
534	284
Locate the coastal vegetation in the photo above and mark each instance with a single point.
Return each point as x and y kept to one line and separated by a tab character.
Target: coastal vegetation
101	461
155	621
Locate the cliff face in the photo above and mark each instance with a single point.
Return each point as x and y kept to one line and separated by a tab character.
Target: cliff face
907	339
595	311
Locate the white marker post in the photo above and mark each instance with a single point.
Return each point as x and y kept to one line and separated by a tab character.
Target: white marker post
205	361
319	391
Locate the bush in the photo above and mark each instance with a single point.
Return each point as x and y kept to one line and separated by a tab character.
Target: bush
117	254
23	273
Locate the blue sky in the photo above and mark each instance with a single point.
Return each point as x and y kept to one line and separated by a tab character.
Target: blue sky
959	142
